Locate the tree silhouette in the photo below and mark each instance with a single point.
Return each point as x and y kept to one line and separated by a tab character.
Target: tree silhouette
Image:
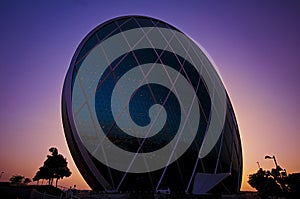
16	179
264	183
55	167
27	181
19	179
42	174
293	182
275	182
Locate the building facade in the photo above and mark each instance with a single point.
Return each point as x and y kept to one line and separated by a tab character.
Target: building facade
144	109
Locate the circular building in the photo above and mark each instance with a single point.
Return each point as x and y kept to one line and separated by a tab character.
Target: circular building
144	109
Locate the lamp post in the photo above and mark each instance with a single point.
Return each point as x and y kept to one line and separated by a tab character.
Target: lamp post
279	174
269	157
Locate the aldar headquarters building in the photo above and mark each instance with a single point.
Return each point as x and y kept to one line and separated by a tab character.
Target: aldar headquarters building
144	109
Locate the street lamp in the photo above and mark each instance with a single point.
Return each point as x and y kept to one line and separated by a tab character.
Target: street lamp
269	157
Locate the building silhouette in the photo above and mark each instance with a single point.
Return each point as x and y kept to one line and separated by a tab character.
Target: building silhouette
144	109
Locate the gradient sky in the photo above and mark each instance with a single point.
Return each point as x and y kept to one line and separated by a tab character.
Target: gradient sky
255	44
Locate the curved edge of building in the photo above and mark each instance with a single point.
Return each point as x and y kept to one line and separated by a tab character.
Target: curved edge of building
89	166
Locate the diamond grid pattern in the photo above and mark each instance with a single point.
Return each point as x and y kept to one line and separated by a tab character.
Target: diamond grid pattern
171	43
132	42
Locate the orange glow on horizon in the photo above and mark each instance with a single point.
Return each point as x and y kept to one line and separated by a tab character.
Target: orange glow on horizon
257	56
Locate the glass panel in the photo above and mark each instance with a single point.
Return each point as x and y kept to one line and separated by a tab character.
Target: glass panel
90	43
109	29
143	22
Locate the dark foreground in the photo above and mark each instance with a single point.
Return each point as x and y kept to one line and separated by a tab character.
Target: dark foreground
50	192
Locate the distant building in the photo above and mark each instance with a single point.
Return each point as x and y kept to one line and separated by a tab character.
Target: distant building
144	109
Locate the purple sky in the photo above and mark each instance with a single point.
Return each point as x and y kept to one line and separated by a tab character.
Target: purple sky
255	44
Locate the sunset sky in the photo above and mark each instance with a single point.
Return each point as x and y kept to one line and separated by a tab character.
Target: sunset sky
255	45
